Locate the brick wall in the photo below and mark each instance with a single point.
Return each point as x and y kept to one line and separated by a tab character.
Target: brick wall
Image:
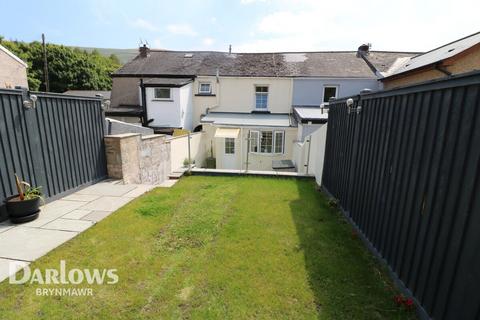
137	159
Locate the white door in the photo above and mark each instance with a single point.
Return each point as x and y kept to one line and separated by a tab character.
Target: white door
229	154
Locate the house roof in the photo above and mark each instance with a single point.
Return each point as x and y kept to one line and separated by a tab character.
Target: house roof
13	56
89	93
278	64
247	119
310	114
166	82
434	56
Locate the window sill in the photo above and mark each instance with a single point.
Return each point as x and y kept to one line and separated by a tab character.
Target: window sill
267	154
163	100
260	111
205	95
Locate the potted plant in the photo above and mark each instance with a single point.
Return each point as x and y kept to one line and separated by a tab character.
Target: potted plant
24	206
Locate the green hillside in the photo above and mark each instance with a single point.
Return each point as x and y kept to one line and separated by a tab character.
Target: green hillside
124	55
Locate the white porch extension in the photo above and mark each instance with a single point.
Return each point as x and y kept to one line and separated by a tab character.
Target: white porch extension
250	141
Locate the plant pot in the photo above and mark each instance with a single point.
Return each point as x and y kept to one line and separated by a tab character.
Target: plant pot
211	163
20	211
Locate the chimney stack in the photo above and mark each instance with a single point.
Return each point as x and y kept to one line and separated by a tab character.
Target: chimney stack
144	51
230	49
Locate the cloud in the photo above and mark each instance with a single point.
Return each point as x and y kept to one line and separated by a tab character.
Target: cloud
143	24
181	29
344	25
157	43
208	41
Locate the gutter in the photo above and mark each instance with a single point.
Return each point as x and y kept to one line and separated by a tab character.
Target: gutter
144	105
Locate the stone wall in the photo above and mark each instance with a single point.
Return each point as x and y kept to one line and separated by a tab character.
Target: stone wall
137	159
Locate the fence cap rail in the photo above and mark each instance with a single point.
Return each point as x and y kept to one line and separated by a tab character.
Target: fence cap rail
49	94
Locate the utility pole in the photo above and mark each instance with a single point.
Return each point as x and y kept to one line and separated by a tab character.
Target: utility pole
45	64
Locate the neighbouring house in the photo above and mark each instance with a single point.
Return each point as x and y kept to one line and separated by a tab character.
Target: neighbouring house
13	71
252	107
456	57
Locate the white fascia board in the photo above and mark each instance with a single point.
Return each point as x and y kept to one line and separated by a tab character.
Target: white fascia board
13	56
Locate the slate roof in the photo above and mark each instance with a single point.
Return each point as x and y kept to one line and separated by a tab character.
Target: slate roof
89	93
436	55
281	64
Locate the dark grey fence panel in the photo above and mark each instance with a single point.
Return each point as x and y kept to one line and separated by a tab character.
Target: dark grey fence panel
58	145
406	172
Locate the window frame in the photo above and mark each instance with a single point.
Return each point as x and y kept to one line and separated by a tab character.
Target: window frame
232	140
329	86
258	141
162	99
266	94
204	92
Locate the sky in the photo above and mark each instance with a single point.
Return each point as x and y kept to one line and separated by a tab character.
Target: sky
248	25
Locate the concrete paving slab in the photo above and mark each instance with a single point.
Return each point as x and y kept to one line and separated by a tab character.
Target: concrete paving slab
97	215
106	204
168	183
52	211
81	197
9	267
63	219
30	244
107	189
4	226
76	214
69	225
139	190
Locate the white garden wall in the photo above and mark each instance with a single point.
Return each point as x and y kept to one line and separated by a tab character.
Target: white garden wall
179	150
317	153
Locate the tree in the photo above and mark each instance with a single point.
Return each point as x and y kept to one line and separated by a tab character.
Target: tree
68	68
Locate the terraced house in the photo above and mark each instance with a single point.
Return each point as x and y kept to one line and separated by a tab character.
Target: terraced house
253	107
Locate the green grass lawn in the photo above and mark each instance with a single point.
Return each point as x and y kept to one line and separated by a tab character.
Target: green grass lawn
218	248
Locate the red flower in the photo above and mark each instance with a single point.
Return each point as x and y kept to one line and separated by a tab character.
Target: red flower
409	303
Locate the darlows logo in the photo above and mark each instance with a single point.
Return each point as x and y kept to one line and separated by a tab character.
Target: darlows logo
63	276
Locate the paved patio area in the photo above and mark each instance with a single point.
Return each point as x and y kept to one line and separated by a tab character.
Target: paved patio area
63	219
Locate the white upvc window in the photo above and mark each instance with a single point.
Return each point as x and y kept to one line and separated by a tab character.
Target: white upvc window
254	137
278	141
330	91
205	88
229	145
162	93
267	141
261	97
